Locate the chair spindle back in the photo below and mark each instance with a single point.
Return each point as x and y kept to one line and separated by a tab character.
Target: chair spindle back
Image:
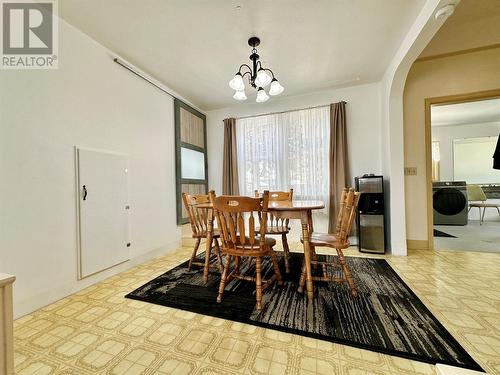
198	217
230	212
347	214
273	221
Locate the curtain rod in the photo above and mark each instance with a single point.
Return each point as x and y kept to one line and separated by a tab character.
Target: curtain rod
138	73
147	79
290	110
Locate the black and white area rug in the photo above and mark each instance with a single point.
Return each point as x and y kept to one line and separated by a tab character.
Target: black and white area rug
438	233
386	316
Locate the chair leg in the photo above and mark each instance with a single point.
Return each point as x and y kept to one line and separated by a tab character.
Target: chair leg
219	258
482	217
258	282
314	257
276	267
286	251
303	272
237	262
302	280
223	278
498	209
347	273
193	255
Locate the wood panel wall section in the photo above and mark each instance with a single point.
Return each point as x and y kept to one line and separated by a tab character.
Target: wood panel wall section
192	129
190	133
6	325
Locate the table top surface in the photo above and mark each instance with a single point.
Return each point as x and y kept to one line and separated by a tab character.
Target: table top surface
294	205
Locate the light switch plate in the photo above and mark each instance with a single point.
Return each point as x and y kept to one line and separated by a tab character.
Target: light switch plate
410	171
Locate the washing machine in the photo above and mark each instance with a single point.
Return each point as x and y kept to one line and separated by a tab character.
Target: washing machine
449	200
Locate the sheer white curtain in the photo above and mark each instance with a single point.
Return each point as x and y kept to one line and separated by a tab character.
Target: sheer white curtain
285	150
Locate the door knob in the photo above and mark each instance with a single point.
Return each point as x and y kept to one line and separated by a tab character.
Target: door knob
85	193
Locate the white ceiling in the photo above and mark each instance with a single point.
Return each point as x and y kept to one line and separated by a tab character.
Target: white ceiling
477	112
196	46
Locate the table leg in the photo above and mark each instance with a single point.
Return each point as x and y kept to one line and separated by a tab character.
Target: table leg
311	230
306	235
208	245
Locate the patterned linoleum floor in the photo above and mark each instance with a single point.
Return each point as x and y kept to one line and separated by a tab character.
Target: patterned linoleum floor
97	331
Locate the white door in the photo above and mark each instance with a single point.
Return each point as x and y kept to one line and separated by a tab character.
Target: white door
102	187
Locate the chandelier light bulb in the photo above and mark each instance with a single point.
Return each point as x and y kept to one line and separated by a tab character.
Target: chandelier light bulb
263	78
261	96
237	82
276	88
240	95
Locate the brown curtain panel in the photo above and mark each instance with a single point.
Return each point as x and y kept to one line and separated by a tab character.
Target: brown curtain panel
339	167
230	159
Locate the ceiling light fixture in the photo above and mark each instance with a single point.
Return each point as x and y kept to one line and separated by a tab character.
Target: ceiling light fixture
445	12
258	77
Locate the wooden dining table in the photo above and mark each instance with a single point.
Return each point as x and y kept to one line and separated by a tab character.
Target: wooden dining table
295	209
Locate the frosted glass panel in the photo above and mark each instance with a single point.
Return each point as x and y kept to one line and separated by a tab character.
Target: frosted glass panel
192	164
473	160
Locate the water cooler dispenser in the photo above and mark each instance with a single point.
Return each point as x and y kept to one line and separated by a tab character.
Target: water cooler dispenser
370	218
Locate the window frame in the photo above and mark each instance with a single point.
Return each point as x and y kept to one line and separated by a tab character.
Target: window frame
179	181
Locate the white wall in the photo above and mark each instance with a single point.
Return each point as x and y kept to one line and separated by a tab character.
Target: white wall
445	136
392	145
363	125
91	102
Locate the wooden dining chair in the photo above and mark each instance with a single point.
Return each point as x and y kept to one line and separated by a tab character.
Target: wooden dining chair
277	226
236	217
339	241
198	218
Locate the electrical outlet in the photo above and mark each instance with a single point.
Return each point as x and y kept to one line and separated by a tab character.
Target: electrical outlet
410	171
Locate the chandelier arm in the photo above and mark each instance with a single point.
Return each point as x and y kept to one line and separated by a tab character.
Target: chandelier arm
269	70
245	65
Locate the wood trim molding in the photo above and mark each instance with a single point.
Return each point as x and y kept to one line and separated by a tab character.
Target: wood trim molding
456	53
441	100
417	245
6	325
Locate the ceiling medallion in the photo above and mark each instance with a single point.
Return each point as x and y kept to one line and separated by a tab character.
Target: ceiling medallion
258	77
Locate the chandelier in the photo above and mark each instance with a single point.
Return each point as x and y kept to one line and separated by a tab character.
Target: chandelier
258	77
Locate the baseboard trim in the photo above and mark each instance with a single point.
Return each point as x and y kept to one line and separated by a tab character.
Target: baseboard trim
417	244
33	303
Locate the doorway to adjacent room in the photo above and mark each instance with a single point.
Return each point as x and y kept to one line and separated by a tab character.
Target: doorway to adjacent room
463	187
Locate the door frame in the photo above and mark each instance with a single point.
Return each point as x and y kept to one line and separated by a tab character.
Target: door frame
443	100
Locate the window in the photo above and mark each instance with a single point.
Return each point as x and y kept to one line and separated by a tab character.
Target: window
473	160
285	150
436	158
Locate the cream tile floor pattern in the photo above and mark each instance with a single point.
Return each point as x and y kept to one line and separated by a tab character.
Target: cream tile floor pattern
97	331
